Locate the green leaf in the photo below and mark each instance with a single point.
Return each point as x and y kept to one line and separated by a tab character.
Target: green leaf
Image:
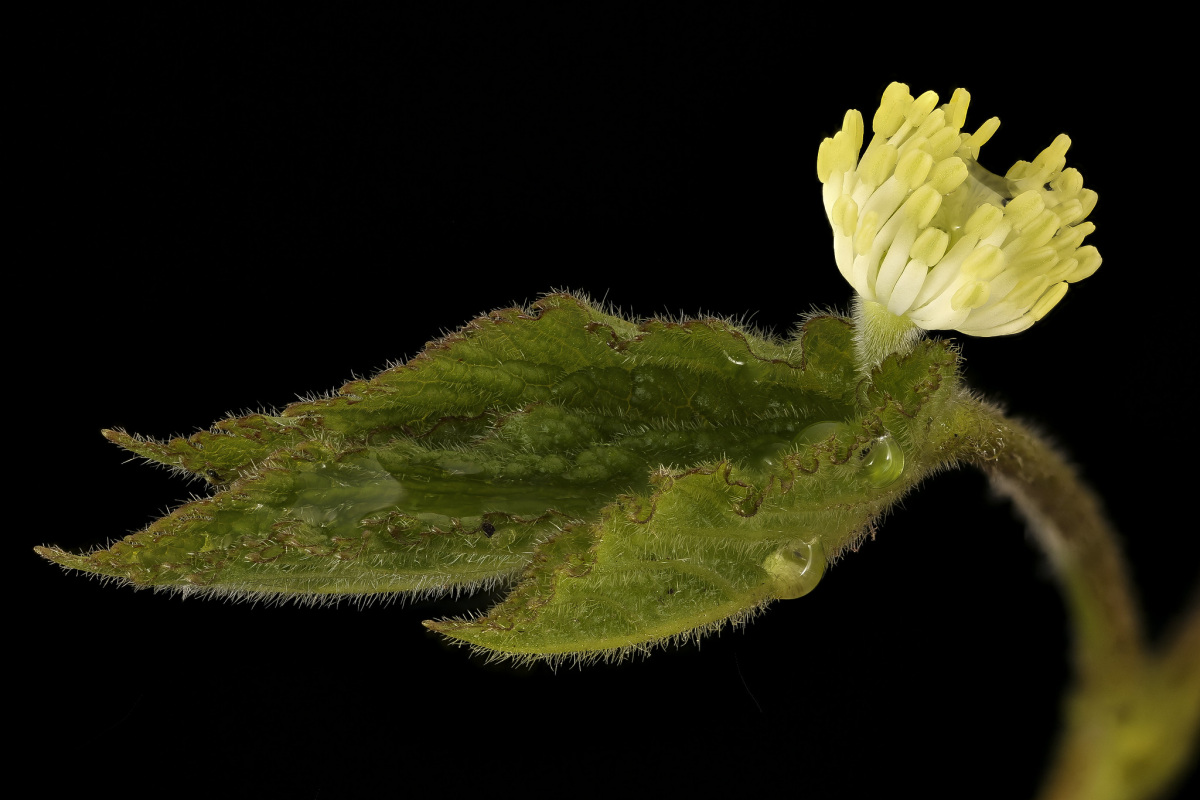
634	483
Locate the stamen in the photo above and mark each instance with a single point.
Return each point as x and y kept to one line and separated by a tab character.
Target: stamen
922	229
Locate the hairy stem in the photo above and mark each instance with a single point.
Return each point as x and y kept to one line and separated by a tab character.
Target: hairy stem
1132	716
879	333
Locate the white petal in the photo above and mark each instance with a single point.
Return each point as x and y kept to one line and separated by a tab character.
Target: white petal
893	265
1013	326
907	287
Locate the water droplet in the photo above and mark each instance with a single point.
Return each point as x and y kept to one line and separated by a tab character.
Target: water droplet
884	462
819	432
768	454
795	569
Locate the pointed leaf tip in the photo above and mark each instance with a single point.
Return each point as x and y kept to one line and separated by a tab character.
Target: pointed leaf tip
61	557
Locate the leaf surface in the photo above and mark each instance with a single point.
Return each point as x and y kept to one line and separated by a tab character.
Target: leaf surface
634	483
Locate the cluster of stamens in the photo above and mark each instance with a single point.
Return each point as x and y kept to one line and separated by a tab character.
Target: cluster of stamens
924	231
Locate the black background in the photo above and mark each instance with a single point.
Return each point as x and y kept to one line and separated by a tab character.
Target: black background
248	208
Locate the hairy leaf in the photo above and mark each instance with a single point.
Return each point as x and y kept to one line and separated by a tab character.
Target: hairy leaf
635	482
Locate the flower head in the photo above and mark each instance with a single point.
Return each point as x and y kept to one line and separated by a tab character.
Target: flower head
924	231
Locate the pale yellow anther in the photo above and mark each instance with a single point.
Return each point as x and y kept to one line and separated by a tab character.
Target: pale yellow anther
1018	171
1069	212
824	160
956	109
921	205
845	215
1045	166
896	92
970	295
1040	229
1089	261
836	155
887	121
913	142
984	263
1037	259
1061	270
890	115
930	246
1071	238
948	175
912	168
921	108
1047	162
846	152
1048	300
877	165
1087	199
1068	183
1065	243
1027	291
868	229
852	125
935	122
1058	148
943	144
983	133
983	221
1024	208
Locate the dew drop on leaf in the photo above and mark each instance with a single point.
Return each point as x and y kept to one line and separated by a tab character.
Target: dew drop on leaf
795	569
884	462
819	432
769	455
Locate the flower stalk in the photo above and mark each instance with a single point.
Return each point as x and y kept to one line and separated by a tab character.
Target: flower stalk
878	333
931	240
1133	713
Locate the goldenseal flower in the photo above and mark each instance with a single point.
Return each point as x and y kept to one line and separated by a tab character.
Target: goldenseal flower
925	232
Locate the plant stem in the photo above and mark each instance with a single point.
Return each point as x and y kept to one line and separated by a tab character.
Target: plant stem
879	333
1131	718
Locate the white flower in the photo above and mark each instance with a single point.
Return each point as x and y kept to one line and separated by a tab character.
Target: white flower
924	231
